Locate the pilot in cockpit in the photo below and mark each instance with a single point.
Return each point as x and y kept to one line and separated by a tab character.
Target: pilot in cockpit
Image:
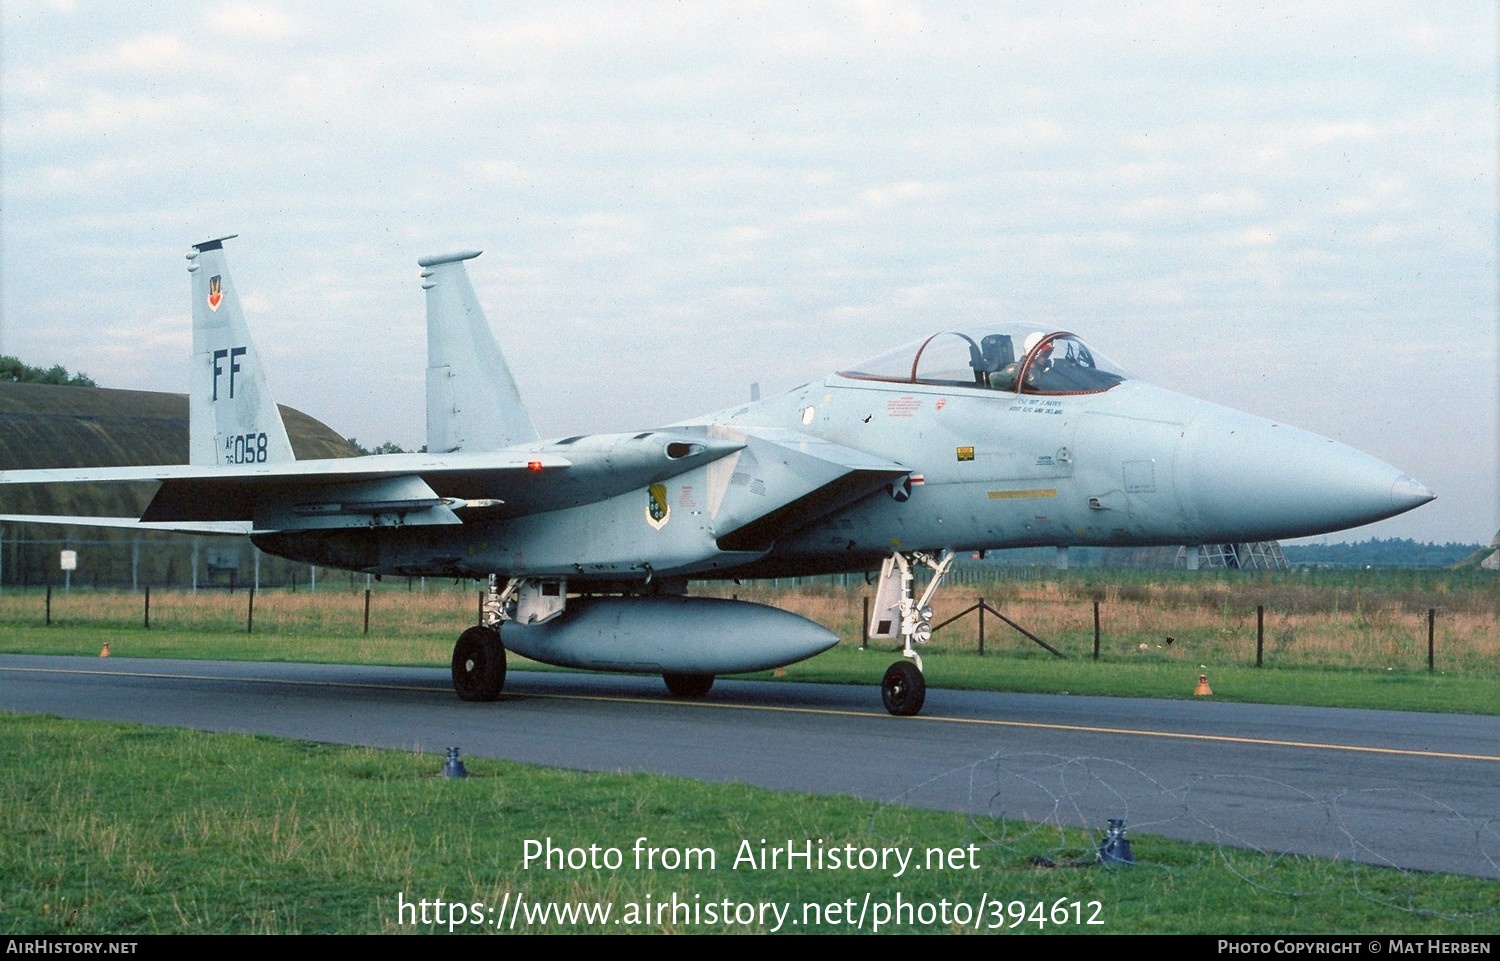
1042	362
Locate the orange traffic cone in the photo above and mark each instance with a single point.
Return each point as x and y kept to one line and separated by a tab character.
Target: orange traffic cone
1203	689
104	651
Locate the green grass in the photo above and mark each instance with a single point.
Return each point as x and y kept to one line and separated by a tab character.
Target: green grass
118	829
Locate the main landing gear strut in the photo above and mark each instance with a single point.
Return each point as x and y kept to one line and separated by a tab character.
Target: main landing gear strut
479	657
898	612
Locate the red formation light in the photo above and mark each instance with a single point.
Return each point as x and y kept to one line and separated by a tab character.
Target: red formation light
534	465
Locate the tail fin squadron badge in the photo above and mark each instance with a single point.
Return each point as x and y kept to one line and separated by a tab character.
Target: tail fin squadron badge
658	511
215	291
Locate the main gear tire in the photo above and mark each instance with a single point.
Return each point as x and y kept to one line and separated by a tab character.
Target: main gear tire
689	685
479	665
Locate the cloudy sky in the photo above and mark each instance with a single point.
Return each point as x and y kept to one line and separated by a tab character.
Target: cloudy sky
1289	208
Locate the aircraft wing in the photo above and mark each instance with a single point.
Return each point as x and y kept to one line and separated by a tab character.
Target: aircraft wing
396	488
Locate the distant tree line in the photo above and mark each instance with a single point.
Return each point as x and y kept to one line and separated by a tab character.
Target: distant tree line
1378	552
386	448
12	371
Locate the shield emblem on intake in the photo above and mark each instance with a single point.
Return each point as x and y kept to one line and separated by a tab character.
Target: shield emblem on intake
215	291
658	512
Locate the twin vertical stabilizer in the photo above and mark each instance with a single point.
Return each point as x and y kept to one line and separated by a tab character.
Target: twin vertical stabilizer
472	401
232	418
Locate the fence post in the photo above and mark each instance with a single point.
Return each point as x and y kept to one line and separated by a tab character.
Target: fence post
1431	617
864	623
147	617
1260	631
49	605
1096	630
981	626
250	612
367	610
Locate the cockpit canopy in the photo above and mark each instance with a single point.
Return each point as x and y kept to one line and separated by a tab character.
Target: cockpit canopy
1015	358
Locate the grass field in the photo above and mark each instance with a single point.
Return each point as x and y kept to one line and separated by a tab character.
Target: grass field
128	830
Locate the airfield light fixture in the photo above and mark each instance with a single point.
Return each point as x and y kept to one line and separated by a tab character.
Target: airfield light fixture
1115	848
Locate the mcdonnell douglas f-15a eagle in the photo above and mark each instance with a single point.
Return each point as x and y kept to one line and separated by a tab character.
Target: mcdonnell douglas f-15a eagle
994	437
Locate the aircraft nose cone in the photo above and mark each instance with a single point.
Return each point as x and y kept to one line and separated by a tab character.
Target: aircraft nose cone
1408	492
1247	478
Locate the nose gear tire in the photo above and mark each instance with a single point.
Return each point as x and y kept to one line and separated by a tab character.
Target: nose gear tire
903	689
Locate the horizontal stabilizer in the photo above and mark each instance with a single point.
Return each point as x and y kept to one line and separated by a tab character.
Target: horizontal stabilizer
128	523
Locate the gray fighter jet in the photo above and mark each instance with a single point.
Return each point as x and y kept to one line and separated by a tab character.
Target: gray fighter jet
995	437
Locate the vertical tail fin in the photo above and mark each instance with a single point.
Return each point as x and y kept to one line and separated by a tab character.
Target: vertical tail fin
232	418
472	401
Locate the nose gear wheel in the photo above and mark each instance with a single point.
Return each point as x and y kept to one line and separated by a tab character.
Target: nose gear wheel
903	689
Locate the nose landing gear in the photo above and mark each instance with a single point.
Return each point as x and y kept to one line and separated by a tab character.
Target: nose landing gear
897	612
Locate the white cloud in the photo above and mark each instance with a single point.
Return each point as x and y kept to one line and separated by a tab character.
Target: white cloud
150	53
103	113
267	21
1239	201
1338	132
1386	195
891	194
